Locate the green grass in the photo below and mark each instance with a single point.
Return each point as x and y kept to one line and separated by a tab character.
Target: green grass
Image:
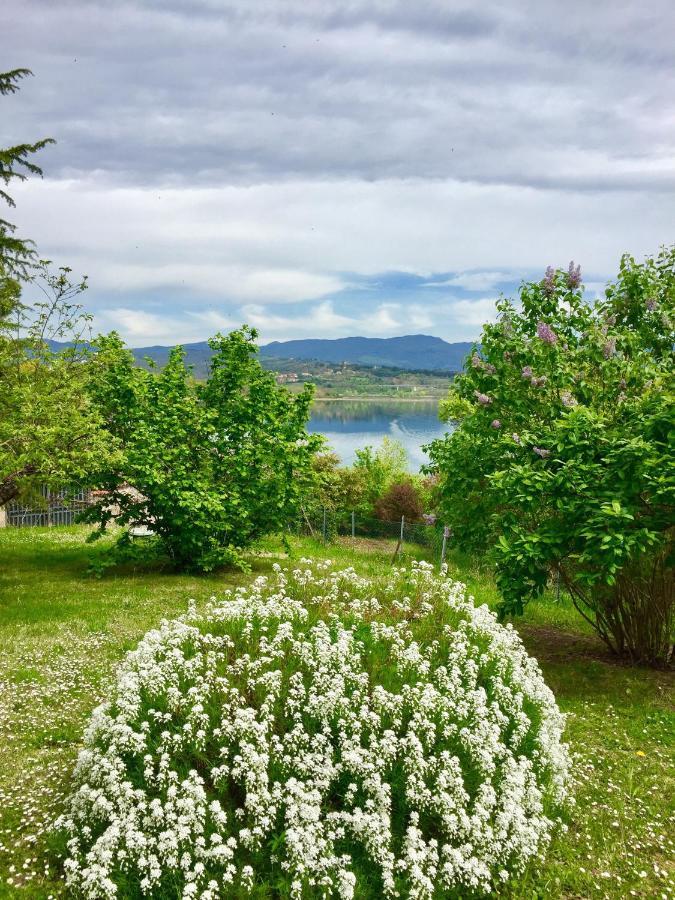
62	633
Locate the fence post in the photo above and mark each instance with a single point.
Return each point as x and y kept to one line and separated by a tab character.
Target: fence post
353	526
324	525
400	541
446	535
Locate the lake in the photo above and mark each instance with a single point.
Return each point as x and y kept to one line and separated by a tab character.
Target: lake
351	424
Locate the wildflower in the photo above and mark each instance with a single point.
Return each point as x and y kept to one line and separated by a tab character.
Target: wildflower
546	333
495	423
573	276
541	452
548	283
483	399
640	753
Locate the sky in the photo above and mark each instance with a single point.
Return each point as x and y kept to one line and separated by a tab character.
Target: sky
319	168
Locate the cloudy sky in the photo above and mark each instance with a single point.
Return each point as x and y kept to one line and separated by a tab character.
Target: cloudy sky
334	167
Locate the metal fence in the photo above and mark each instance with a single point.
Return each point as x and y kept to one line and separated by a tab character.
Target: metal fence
329	524
54	507
62	506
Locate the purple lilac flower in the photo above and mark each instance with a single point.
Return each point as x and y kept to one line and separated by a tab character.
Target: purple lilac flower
527	372
516	438
429	518
609	349
539	382
476	361
541	452
483	399
507	355
447	532
573	276
611	320
495	423
489	368
549	281
546	333
651	304
567	399
622	384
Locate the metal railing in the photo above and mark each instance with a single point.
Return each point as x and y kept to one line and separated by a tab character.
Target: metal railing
55	507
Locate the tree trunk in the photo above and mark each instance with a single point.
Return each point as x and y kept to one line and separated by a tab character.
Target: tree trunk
11	484
8	491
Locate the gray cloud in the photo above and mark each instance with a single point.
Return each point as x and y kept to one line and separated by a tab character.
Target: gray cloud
579	97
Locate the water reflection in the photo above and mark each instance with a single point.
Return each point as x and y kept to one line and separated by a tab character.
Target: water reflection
351	424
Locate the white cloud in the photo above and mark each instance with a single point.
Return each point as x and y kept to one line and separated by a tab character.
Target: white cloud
140	328
473	313
290	240
420	317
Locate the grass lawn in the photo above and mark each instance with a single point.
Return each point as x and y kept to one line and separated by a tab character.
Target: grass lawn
62	633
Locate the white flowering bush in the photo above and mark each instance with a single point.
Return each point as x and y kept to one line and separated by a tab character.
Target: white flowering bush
320	734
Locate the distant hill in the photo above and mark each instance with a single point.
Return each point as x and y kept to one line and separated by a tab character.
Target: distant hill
413	351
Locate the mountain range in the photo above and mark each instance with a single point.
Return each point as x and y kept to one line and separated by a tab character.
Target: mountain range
412	351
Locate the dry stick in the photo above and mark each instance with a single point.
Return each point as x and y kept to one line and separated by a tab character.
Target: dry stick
309	524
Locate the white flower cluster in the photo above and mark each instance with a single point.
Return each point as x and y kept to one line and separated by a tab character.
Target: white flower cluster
320	733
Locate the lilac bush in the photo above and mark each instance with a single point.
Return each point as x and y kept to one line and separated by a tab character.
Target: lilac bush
577	481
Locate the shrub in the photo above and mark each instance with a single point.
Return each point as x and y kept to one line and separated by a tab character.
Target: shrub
402	498
563	460
211	467
319	734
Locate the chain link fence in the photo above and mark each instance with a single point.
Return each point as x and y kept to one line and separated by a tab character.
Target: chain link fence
329	524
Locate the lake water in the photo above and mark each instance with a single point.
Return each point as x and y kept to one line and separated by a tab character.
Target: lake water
351	424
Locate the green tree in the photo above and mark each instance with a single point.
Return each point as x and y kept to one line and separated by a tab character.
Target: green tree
49	432
16	255
380	469
208	468
563	459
